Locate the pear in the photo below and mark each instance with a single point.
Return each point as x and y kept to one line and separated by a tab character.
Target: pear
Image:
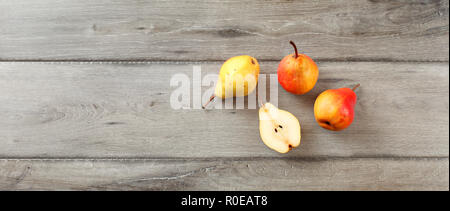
334	109
297	73
238	77
279	129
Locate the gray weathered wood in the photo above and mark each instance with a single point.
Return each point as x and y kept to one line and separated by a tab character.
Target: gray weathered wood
262	174
123	110
215	30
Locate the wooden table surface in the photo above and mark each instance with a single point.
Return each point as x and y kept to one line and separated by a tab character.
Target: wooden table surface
84	95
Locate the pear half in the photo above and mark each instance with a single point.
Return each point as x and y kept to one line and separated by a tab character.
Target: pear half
279	129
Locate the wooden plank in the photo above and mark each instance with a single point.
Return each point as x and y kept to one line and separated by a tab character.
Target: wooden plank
266	174
123	110
215	30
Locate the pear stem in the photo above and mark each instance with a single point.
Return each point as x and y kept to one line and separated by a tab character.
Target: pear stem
295	48
356	86
260	104
210	99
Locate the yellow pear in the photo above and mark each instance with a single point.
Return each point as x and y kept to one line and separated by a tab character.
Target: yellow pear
279	129
238	77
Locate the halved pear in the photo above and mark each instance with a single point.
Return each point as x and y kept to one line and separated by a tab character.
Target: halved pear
279	129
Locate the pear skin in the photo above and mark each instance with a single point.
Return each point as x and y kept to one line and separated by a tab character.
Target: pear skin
238	77
297	73
334	108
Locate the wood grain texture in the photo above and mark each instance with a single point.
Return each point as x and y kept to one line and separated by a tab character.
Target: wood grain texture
273	174
193	30
114	110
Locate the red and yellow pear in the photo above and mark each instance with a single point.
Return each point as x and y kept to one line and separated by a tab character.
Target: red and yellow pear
297	73
334	109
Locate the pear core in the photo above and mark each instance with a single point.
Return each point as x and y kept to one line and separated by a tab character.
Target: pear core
279	129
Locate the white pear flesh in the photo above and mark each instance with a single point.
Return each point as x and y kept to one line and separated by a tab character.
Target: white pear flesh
279	129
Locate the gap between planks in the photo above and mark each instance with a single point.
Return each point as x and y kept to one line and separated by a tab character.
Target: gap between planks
310	159
162	61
